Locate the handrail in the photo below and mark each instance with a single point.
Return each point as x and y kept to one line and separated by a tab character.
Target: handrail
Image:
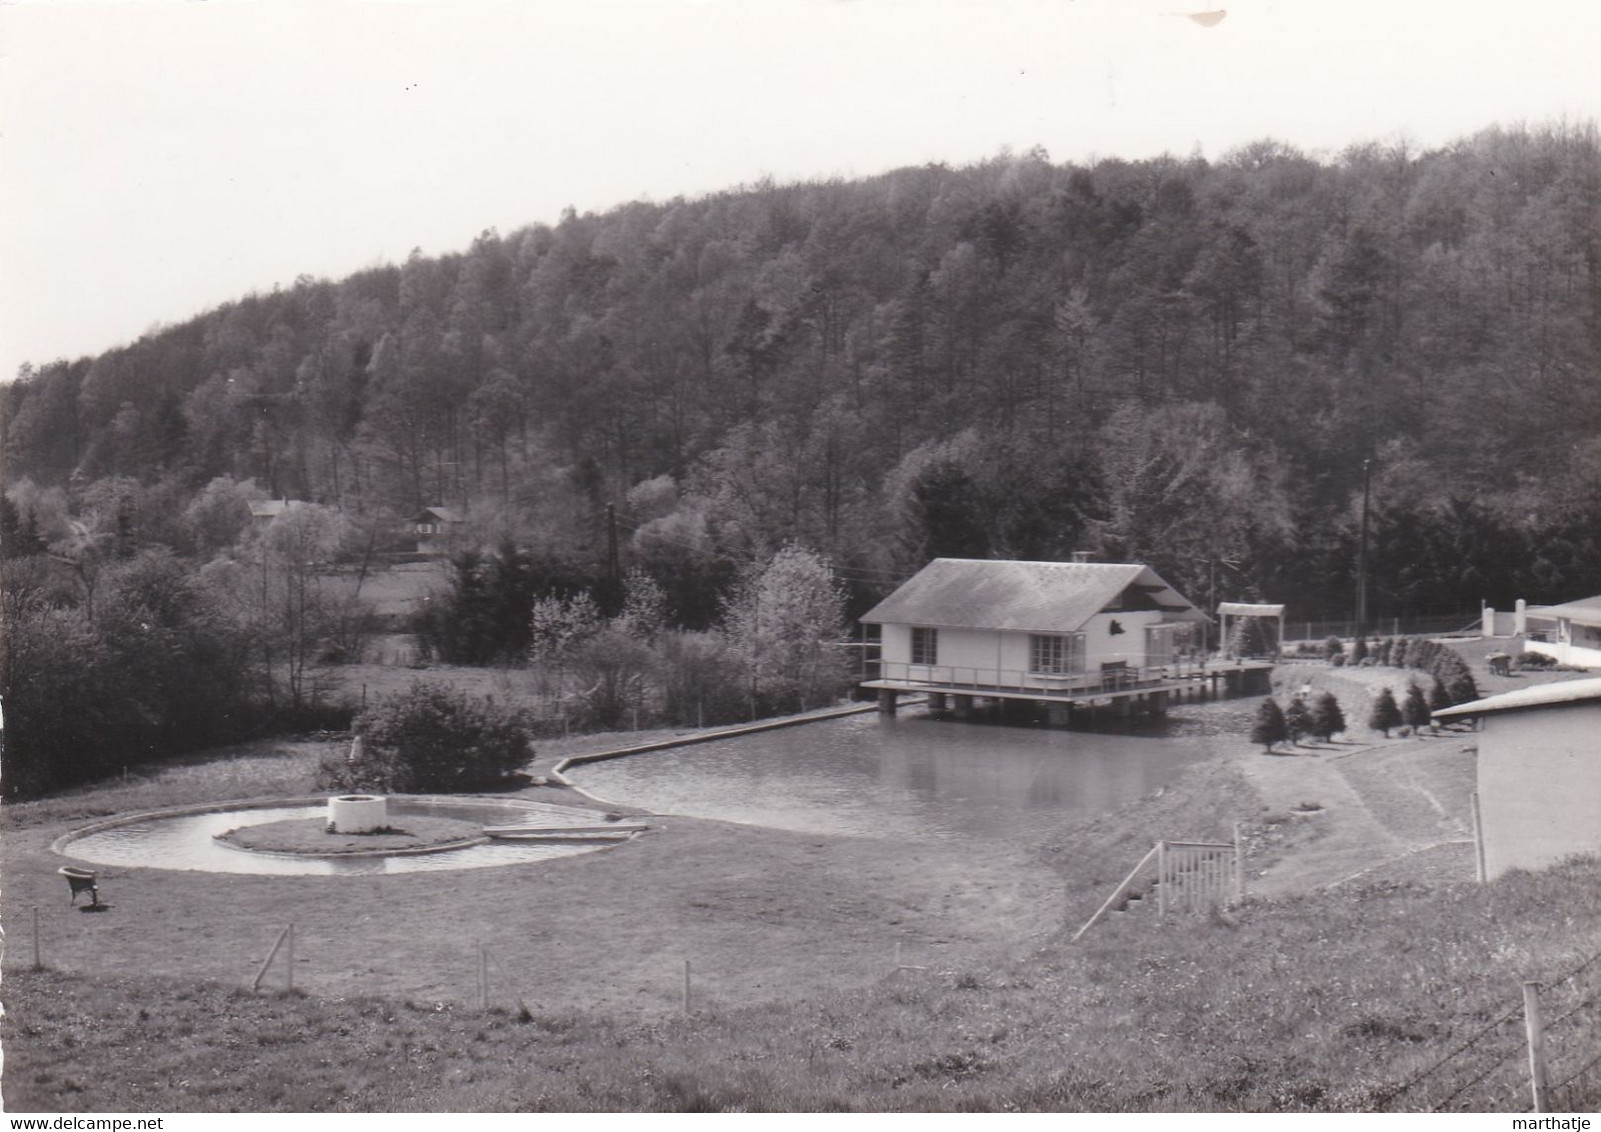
1115	679
1119	892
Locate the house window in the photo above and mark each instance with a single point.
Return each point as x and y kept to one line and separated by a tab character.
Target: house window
925	646
1056	653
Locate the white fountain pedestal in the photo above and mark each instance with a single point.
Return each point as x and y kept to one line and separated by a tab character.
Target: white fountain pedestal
357	813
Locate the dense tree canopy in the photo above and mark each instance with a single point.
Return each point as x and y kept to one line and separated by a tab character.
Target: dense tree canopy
1177	361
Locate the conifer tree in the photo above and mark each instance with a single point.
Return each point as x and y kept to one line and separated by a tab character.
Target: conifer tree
1415	709
1461	687
1327	718
1385	713
1359	650
1268	727
1381	652
1297	720
1438	696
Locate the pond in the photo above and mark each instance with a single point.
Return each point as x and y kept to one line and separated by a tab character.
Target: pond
186	842
916	775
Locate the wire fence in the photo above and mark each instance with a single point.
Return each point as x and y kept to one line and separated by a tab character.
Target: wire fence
1491	1069
1431	624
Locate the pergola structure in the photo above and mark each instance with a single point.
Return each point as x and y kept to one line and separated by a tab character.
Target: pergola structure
1229	609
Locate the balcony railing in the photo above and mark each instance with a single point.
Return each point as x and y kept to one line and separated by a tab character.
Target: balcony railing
1022	680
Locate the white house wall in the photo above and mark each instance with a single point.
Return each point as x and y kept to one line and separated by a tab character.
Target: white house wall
987	650
1101	647
1578	645
1539	778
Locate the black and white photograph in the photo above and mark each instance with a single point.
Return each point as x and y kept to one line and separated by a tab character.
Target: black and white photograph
772	557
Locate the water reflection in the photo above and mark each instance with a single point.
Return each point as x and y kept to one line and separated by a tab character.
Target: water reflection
913	775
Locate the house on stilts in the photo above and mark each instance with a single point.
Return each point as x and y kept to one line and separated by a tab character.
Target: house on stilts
1066	636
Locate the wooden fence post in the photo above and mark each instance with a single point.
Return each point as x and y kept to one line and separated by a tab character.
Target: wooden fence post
686	986
1239	865
483	978
289	968
1478	840
38	957
261	972
1535	1027
1162	880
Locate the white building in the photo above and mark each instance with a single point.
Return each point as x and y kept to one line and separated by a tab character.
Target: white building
1539	774
1050	627
1571	632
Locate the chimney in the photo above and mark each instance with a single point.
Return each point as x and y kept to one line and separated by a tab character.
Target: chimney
1081	556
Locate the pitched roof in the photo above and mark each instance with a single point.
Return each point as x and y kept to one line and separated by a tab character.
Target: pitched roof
1541	695
443	514
270	508
1043	597
1585	611
1248	609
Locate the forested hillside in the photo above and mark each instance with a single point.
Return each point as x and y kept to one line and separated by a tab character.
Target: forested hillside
1180	362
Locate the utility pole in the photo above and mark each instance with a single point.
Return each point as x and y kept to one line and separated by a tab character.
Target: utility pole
614	571
1362	554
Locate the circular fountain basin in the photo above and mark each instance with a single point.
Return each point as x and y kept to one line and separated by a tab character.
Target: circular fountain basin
186	839
358	813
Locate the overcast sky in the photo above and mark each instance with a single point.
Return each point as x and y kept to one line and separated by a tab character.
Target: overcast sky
159	157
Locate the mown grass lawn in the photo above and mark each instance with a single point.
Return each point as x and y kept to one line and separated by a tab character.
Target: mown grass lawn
1319	1002
1311	1005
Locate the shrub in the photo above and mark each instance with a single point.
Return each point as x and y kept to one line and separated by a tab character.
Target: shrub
1268	727
1385	714
433	737
1415	709
1327	718
1462	687
1297	719
1337	660
1536	660
703	681
1359	651
1334	647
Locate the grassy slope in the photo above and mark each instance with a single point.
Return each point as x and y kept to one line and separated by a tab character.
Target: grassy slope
1305	1002
1282	1007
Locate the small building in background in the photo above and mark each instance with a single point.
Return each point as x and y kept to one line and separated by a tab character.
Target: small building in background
1570	633
1539	774
264	511
435	528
